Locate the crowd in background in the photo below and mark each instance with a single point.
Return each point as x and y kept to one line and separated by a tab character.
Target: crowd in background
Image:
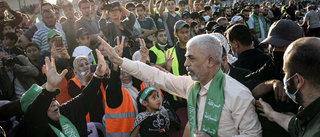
253	37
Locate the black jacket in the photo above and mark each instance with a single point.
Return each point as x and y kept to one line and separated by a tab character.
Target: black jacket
35	121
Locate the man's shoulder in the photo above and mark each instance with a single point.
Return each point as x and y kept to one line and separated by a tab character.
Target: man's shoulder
234	88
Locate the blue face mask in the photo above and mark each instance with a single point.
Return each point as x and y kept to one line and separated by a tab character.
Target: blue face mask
161	45
234	53
291	96
127	85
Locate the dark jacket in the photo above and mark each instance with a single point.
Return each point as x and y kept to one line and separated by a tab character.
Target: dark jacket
239	74
24	71
306	122
35	121
251	59
273	70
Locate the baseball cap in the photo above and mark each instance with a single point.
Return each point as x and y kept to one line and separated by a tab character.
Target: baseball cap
181	2
81	32
180	24
186	13
283	32
53	33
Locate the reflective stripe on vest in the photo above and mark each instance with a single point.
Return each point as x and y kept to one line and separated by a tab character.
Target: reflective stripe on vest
175	64
159	53
118	134
119	121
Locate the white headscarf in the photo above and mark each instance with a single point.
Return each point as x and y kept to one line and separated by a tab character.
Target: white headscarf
225	44
234	19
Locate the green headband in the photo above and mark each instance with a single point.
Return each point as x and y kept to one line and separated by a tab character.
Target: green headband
145	93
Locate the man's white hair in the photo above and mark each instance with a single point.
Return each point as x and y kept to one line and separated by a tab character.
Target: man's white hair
208	45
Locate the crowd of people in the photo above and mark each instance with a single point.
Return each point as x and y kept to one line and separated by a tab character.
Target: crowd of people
160	68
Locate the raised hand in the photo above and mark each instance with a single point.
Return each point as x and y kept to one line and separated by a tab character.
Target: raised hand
119	47
102	67
144	51
53	78
168	59
112	54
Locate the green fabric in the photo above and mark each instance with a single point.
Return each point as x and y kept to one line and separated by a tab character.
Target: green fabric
175	63
212	108
94	60
283	9
159	54
257	25
53	33
68	129
30	95
145	92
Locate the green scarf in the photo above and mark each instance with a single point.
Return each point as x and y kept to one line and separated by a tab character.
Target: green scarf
212	109
257	25
68	129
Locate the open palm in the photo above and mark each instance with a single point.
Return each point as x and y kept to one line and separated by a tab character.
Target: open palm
53	77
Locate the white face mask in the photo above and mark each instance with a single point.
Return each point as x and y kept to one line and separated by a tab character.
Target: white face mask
82	74
206	18
127	85
202	27
162	45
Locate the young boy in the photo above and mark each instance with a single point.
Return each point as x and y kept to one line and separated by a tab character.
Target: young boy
10	39
84	45
169	18
148	28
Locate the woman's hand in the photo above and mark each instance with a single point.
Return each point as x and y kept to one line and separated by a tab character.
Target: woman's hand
102	67
53	78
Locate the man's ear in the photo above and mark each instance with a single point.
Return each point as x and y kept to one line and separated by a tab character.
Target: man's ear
175	34
300	81
211	61
77	40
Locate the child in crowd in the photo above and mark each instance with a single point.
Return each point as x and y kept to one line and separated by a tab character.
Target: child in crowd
10	40
153	119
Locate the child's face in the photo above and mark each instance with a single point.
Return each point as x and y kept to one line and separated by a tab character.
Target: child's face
153	102
84	40
196	28
139	11
171	5
7	29
8	41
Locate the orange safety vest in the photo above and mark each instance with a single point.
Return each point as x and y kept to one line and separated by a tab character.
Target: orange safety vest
103	100
119	121
64	96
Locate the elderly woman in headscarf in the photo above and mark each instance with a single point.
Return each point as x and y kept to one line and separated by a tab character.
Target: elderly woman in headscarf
44	117
83	73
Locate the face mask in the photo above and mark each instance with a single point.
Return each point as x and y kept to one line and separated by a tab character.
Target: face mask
269	6
82	74
279	7
202	27
206	18
291	96
277	59
234	53
161	45
127	85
